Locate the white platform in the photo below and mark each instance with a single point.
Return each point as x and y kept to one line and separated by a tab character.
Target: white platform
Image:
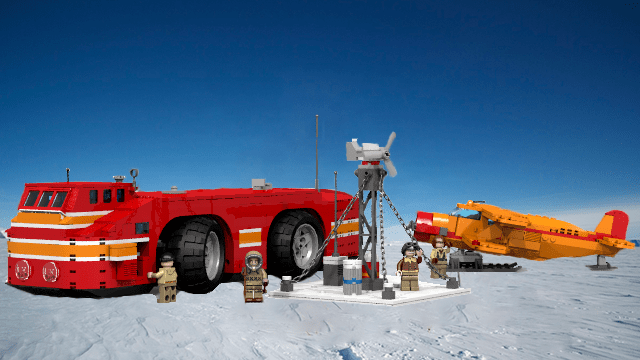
315	291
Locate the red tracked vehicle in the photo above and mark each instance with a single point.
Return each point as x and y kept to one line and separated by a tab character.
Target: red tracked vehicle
101	236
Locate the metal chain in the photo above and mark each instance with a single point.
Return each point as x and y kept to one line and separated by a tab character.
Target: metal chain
333	232
384	261
406	229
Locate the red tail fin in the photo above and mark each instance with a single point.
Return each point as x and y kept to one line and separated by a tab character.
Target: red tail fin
614	223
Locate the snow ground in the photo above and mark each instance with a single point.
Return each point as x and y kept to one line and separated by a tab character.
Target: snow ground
557	309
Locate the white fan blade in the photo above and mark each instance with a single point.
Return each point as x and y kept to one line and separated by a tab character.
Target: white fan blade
390	167
391	138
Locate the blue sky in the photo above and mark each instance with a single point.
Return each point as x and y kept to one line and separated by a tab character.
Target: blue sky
529	105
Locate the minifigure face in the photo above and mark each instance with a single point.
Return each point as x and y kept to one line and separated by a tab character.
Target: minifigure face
439	243
409	253
167	264
253	260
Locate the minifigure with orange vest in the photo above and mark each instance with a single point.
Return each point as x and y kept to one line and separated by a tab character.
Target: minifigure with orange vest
439	259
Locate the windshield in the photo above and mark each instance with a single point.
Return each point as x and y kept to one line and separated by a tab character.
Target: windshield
45	198
59	199
31	199
469	214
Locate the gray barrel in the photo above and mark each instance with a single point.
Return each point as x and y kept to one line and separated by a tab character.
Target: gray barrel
286	284
332	270
388	293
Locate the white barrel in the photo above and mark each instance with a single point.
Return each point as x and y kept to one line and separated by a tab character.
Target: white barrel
358	275
348	277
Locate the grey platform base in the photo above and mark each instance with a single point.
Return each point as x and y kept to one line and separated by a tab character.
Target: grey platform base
601	267
486	269
316	291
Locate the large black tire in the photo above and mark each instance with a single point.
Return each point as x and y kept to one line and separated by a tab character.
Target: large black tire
294	240
198	248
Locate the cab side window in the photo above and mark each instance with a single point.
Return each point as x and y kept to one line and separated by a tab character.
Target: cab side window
120	195
106	196
93	196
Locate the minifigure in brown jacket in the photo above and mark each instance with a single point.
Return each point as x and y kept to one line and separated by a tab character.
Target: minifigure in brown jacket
408	267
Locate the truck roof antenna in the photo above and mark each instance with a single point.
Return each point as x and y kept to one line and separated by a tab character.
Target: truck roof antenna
317	186
67	174
134	174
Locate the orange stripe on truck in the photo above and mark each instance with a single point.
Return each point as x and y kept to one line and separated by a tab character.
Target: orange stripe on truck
37	218
249	237
347	227
116	250
53	218
57	250
70	220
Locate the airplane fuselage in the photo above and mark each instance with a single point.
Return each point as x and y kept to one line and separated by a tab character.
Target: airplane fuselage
503	232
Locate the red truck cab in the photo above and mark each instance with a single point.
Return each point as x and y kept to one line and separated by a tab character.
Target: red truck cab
50	244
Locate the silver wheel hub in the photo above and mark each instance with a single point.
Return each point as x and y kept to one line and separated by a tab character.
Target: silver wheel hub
212	255
305	245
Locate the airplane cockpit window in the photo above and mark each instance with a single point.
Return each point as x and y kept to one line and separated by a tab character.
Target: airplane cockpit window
469	214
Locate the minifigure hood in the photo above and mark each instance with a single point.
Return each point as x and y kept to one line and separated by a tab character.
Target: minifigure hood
253	255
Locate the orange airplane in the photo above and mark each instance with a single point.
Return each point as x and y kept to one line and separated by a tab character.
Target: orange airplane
480	227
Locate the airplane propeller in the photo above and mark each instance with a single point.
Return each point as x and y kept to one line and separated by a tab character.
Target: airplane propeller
387	161
372	152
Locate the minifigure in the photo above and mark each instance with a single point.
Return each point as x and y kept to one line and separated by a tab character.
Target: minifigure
439	258
254	277
408	267
167	279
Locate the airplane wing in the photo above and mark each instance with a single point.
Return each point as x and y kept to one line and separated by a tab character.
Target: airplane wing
497	214
485	246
